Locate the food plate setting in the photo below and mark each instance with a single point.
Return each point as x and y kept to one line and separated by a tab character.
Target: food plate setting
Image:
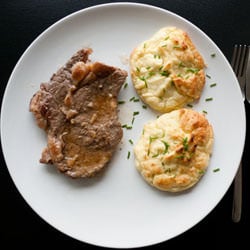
117	208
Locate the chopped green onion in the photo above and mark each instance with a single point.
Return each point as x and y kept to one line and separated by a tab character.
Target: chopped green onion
132	122
153	156
213	85
204	111
126	126
125	85
179	157
142	78
136	113
189	105
216	170
166	146
165	73
131	142
201	172
144	106
128	156
121	102
193	70
209	99
185	143
208	76
168	170
181	65
134	99
213	55
151	73
152	138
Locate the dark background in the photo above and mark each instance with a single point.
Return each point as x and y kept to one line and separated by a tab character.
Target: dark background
227	22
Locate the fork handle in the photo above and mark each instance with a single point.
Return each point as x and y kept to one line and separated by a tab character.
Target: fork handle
237	195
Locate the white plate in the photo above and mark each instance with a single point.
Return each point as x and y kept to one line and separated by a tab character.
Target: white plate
118	208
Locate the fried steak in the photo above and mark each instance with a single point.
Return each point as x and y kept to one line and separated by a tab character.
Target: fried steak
78	110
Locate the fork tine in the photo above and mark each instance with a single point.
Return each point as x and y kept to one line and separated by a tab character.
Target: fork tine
233	59
243	63
239	59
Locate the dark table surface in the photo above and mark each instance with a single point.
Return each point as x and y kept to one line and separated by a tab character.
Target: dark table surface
227	22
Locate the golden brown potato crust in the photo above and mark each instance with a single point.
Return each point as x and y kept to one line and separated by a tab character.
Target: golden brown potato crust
173	151
167	71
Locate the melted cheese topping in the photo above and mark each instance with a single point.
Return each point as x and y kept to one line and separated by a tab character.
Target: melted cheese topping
173	151
167	70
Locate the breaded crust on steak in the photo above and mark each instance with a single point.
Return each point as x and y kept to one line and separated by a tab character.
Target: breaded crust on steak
78	110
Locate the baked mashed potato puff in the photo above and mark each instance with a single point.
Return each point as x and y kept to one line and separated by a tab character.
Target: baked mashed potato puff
167	71
173	151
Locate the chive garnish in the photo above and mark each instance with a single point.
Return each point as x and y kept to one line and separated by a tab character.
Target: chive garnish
131	141
144	106
204	111
216	170
185	143
179	157
152	138
181	65
128	156
121	102
168	170
201	172
165	73
213	85
166	146
193	70
153	156
125	85
189	105
213	55
136	113
208	76
142	78
132	122
151	73
209	99
126	126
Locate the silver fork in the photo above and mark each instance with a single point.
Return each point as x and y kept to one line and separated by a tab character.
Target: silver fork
239	62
